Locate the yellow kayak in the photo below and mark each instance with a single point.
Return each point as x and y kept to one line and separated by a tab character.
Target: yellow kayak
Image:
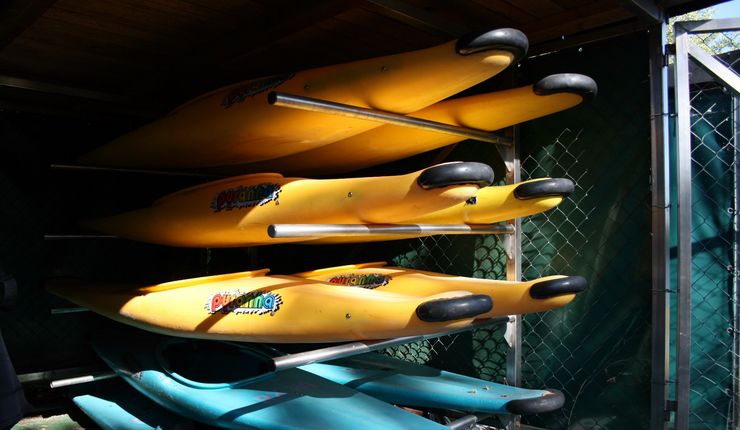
491	111
508	297
237	125
255	307
490	205
505	202
237	211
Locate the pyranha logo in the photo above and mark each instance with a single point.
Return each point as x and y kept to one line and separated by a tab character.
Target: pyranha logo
255	303
245	197
252	88
369	280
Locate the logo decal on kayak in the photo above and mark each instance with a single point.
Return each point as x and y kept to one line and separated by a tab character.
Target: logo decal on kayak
245	197
253	303
369	280
252	88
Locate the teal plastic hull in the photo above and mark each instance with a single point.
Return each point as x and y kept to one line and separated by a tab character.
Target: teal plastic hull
114	405
403	383
215	383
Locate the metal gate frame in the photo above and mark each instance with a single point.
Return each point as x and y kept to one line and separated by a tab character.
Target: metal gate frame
685	50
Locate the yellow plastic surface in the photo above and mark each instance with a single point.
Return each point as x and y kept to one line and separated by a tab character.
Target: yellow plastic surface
493	204
236	125
252	307
490	112
509	297
237	211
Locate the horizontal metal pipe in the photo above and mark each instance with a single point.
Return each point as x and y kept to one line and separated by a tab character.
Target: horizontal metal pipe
710	25
291	361
62	311
466	422
48	375
323	106
353	348
715	68
78	236
82	379
75	167
326	230
49	88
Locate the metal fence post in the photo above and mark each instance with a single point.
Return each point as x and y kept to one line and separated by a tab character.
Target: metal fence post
683	134
513	245
660	226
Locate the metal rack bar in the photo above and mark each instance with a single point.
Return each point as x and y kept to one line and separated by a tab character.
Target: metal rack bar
66	236
81	168
466	422
339	230
70	310
353	348
323	106
290	361
99	376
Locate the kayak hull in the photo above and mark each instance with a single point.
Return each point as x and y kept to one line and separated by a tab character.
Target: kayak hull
491	111
255	307
489	205
114	405
210	385
509	297
355	302
404	383
236	124
237	211
191	218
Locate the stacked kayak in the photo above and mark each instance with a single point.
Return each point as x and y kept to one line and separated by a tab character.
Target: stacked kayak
508	297
489	205
114	405
239	211
223	385
258	307
237	125
404	383
491	111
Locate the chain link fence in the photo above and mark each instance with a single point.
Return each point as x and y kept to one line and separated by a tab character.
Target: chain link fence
485	258
596	350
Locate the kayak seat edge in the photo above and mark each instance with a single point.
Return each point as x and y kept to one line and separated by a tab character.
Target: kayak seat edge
456	308
552	187
558	287
504	39
456	173
537	405
573	83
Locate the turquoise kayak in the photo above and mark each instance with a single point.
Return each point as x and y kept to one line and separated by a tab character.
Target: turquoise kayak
404	383
225	385
114	405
